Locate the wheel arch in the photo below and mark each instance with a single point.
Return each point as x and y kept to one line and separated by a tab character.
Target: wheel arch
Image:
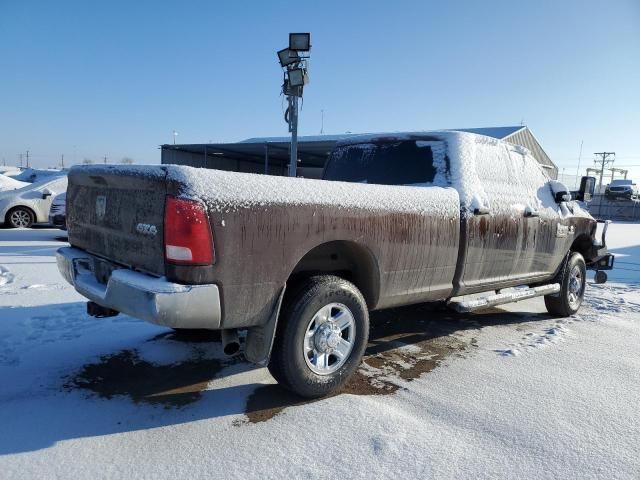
347	259
34	216
583	244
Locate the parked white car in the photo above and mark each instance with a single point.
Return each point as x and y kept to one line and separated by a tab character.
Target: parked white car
8	183
31	204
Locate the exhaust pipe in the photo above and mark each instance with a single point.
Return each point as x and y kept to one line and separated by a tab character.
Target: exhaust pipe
230	341
99	311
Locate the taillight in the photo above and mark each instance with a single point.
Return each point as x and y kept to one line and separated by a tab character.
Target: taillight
187	233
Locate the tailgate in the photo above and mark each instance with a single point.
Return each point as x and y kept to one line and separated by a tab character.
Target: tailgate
118	213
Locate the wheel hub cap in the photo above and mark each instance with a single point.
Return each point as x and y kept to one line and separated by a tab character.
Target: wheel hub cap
575	286
329	339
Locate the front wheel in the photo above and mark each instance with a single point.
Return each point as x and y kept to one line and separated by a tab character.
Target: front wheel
321	337
573	280
20	217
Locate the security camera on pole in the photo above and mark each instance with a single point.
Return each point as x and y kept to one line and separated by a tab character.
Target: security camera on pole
294	63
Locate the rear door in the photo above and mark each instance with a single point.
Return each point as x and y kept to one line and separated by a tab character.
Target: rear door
118	214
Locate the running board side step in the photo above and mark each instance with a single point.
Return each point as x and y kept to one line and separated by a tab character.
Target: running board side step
502	298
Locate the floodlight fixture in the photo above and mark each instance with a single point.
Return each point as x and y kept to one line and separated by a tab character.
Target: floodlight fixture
287	57
300	42
291	91
297	77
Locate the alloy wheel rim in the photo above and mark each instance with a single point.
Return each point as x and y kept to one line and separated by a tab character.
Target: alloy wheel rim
576	285
20	218
329	339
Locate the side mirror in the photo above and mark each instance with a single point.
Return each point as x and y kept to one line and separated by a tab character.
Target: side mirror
587	189
562	197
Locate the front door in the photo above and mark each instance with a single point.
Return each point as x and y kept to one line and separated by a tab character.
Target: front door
501	225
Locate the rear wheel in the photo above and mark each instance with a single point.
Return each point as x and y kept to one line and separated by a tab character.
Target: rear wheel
321	337
20	217
573	280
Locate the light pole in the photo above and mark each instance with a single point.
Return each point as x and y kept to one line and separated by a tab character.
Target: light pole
175	134
295	78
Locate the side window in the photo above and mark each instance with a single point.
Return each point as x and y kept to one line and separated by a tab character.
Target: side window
534	181
510	178
406	162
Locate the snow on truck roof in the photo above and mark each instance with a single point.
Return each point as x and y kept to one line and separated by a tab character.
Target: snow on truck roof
313	150
224	190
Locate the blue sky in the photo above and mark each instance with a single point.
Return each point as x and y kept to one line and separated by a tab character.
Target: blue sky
89	79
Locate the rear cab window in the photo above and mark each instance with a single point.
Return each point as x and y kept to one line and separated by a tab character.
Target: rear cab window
402	162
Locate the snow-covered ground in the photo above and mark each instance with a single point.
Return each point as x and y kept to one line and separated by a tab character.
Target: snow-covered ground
509	392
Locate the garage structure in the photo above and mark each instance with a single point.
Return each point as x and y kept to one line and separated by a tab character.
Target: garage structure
270	155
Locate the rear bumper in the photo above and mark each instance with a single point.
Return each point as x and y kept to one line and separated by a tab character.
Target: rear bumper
142	296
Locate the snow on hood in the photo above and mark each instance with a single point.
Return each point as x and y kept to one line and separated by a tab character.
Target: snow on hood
8	183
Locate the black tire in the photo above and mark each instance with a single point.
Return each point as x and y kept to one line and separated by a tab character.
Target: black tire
291	365
20	217
568	300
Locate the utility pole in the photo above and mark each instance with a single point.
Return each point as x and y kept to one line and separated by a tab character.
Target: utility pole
322	122
603	162
27	158
62	160
105	159
20	155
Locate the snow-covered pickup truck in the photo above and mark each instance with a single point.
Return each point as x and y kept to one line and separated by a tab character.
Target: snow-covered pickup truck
298	263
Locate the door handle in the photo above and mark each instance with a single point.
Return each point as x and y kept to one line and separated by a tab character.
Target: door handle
481	211
531	213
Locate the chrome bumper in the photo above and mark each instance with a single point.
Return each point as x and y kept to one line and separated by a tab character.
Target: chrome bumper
142	296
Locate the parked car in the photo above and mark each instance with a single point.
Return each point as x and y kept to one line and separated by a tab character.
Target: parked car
57	212
35	175
28	205
621	188
299	263
8	183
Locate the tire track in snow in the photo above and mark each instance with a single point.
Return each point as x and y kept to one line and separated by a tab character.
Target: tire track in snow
600	302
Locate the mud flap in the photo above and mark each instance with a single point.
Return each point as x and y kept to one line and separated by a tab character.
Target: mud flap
260	338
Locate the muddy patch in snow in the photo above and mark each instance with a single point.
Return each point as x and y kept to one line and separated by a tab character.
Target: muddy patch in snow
124	373
404	344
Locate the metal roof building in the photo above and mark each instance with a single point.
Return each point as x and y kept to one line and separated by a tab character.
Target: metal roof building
271	154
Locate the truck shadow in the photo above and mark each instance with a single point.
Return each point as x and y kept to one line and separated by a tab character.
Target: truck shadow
131	391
